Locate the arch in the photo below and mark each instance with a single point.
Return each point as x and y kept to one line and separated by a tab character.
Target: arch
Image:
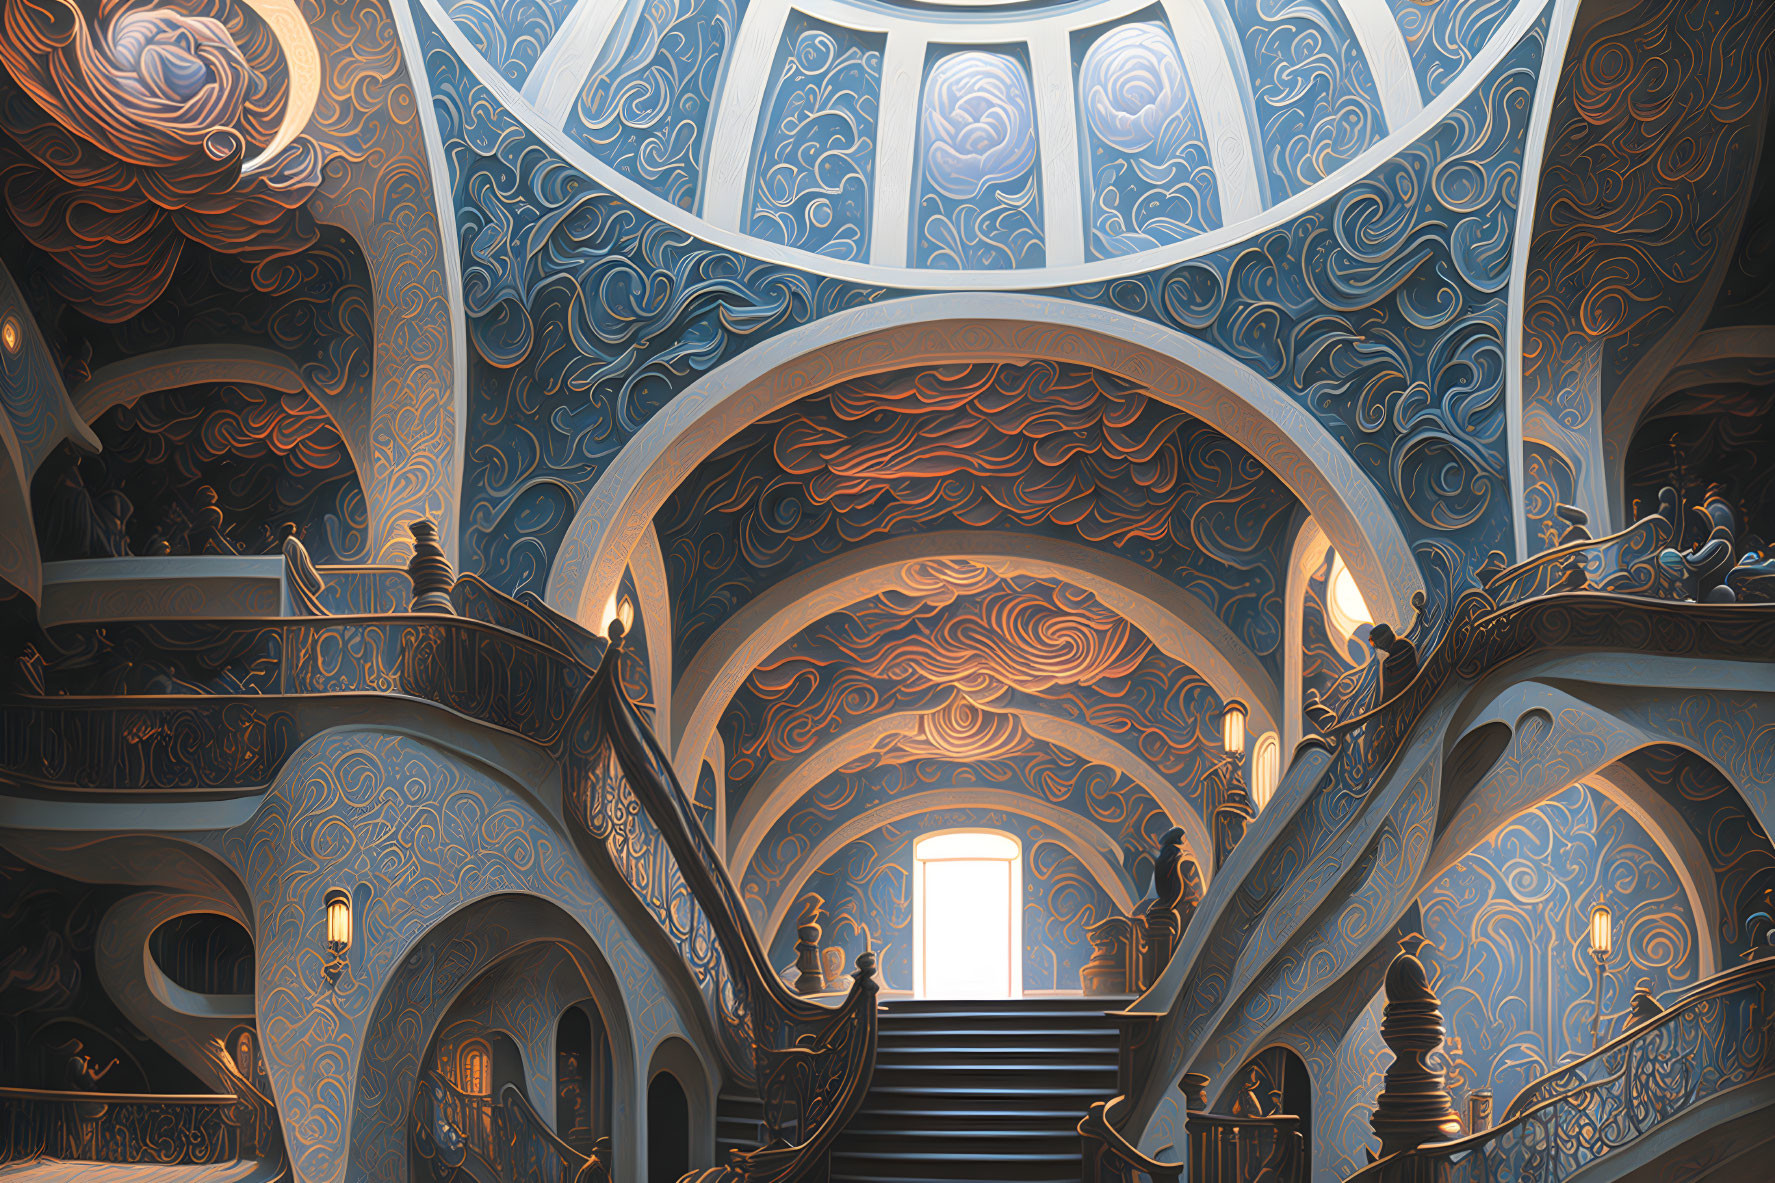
1083	838
675	1060
1180	625
782	784
124	382
983	326
454	954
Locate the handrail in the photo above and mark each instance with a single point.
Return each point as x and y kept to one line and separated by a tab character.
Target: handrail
1550	1128
1102	1139
812	1062
508	1136
163	1129
1480	637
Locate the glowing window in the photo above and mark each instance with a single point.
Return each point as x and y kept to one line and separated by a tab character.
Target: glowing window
473	1073
1266	769
968	926
1343	601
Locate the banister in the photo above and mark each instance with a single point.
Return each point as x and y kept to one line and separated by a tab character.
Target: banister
1534	1105
806	1107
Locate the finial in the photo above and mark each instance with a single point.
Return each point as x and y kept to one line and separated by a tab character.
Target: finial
430	571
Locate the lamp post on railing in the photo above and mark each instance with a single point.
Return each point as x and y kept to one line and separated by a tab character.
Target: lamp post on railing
1233	813
1602	943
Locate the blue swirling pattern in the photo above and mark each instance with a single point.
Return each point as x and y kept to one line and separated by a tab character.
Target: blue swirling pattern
585	316
1317	104
1384	311
1442	36
1151	178
816	156
646	112
979	202
510	34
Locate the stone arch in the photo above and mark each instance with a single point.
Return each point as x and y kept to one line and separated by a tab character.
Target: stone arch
453	955
675	1056
1179	625
981	326
776	792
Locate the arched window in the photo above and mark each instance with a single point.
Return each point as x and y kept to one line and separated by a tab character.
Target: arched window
967	939
474	1069
1266	769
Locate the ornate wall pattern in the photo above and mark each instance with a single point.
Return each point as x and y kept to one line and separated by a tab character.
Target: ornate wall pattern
975	646
1044	772
1150	178
979	197
1336	307
646	112
1444	35
814	171
414	836
1062	451
1314	91
1649	158
1508	954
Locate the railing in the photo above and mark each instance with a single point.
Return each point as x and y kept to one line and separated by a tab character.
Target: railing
1222	1149
811	1063
507	1137
1480	637
1718	1036
163	1130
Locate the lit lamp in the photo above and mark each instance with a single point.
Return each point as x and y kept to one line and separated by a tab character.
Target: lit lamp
1602	943
618	613
1232	728
338	931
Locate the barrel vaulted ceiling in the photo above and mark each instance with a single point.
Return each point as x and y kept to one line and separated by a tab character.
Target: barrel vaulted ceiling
947	383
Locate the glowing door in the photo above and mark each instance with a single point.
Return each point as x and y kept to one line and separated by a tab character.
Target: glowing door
967	943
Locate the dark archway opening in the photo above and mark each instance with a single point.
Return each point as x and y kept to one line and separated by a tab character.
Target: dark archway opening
1274	1081
583	1072
668	1130
205	953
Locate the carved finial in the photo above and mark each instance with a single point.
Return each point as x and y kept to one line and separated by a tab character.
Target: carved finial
809	977
430	571
1414	1107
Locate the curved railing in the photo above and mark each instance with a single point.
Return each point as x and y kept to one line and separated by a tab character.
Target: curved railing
1716	1037
1222	1149
161	1130
810	1063
1624	562
505	1136
1480	638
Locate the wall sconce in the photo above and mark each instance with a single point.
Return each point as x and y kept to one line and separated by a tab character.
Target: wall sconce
1602	943
11	334
1232	728
338	931
619	612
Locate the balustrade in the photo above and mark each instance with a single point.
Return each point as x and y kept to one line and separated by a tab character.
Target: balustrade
163	1130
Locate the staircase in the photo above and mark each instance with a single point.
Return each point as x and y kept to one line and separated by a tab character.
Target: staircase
980	1090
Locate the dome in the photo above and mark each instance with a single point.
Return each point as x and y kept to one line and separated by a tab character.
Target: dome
949	139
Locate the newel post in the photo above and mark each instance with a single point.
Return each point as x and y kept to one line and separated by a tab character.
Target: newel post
1414	1107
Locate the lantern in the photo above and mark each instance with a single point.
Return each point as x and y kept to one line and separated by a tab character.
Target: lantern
1232	728
1602	932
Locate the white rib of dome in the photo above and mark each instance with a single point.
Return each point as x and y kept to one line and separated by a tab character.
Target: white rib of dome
915	34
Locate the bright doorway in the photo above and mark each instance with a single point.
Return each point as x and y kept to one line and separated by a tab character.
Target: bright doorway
967	937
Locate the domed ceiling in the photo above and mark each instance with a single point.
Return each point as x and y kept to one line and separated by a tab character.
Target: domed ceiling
962	136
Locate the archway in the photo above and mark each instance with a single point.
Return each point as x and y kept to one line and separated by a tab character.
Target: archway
976	327
668	1129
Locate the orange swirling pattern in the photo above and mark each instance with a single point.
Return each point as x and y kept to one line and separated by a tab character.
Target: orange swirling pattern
132	142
